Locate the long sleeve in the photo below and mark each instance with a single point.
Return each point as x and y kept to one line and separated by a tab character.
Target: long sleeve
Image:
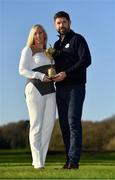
24	65
82	49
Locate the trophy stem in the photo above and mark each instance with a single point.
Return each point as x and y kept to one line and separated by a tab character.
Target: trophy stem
51	64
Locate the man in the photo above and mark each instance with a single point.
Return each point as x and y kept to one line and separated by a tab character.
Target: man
72	57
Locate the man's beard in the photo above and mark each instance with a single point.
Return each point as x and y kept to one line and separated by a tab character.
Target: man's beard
63	31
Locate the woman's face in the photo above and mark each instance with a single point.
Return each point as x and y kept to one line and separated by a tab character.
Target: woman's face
39	37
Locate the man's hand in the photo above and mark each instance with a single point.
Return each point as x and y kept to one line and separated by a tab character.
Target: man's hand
59	77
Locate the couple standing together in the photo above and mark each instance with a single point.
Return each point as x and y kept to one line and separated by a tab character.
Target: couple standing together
71	61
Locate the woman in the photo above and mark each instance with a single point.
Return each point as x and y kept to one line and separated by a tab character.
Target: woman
39	92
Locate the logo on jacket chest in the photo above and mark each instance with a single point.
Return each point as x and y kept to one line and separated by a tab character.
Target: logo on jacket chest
67	45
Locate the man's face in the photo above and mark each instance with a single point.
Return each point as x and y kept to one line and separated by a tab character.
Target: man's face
62	25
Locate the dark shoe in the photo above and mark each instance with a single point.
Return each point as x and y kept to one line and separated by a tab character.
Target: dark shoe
65	166
73	166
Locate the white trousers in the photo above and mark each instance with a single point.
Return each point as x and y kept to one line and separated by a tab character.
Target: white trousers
42	114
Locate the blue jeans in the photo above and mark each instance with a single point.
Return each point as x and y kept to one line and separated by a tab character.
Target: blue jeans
70	103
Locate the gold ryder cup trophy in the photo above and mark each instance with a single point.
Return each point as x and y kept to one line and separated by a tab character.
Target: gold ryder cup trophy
49	53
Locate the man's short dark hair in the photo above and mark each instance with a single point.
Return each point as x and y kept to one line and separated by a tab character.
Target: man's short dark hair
61	14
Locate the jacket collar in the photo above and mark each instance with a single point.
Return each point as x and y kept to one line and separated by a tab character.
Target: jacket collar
68	34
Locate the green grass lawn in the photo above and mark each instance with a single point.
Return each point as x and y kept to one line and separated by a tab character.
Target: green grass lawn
17	165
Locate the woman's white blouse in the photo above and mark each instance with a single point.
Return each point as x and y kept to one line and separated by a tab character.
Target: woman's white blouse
29	62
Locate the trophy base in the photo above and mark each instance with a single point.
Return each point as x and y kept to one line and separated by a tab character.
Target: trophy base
51	72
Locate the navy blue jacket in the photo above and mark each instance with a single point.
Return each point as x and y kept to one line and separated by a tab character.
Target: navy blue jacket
72	56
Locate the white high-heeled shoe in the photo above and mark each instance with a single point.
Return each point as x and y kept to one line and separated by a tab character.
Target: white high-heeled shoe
38	167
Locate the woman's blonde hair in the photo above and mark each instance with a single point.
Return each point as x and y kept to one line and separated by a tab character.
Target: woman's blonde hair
30	40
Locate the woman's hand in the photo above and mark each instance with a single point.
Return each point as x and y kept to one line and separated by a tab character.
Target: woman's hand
46	79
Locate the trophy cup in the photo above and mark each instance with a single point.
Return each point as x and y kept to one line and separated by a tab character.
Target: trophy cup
49	53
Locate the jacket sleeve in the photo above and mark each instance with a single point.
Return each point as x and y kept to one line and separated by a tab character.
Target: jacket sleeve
24	65
82	55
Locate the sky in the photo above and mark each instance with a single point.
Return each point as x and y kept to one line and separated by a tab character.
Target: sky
94	19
